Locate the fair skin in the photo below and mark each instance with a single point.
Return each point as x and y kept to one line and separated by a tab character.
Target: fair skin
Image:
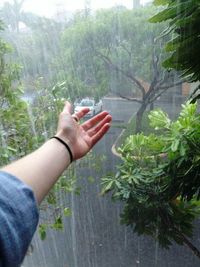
42	168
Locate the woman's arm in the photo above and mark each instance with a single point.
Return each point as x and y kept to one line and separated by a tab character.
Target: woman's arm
41	169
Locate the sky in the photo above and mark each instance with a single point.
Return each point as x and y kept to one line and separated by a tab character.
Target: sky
48	7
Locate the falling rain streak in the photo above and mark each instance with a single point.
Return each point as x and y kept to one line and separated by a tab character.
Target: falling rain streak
111	55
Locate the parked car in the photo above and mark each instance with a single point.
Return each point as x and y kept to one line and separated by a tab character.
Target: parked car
95	107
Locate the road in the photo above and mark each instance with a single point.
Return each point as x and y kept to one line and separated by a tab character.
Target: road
93	236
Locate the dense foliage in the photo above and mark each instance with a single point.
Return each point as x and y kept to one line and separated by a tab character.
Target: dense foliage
159	179
118	52
94	53
184	23
16	136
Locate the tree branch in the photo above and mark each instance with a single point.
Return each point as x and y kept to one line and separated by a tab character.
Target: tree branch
162	91
170	85
107	60
128	98
156	96
129	55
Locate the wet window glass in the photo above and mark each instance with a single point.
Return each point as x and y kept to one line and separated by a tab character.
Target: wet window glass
133	200
86	103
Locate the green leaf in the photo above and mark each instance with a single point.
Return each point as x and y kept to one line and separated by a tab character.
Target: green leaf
51	198
159	119
58	224
175	144
42	231
161	2
184	23
11	149
164	15
107	185
67	212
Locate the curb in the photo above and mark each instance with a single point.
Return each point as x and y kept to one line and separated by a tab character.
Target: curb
113	149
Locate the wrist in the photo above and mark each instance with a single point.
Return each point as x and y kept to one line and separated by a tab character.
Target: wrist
64	136
59	149
66	144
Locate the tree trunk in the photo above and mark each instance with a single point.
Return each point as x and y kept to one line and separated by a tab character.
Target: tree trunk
151	106
139	116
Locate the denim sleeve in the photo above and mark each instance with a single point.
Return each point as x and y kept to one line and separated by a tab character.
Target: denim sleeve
18	219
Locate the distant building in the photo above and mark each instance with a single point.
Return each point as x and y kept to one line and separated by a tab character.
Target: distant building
188	88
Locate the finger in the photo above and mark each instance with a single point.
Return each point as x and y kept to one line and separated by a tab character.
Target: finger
96	128
67	107
93	121
100	133
80	114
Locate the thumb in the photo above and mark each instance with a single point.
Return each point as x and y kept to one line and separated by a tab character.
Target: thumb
67	107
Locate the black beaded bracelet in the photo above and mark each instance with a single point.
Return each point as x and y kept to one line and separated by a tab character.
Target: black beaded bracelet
66	145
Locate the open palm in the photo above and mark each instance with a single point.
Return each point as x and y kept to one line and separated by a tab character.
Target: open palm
82	137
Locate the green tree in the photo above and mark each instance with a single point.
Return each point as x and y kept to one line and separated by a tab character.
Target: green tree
158	180
118	49
40	35
16	134
159	177
12	14
22	131
183	21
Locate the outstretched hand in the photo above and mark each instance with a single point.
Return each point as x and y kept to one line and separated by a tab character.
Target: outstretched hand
82	137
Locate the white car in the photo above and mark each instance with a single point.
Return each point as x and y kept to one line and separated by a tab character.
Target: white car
95	107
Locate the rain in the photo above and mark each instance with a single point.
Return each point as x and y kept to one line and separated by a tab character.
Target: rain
109	54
